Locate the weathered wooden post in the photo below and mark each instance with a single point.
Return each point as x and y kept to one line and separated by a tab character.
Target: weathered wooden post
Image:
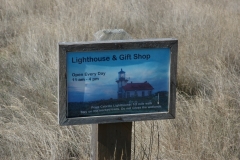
111	140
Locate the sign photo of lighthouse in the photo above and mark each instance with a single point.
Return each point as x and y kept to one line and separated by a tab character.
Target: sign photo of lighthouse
116	82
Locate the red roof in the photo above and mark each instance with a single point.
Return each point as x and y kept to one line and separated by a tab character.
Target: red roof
137	86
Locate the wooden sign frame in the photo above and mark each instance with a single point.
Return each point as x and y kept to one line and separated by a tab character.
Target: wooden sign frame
115	48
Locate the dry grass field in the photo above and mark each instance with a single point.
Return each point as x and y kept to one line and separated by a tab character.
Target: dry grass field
207	126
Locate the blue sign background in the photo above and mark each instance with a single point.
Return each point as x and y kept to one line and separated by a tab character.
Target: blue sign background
92	81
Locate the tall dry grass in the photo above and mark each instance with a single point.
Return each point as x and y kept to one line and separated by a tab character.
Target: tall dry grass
208	94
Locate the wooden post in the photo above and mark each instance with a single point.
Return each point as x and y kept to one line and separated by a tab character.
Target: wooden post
112	140
94	142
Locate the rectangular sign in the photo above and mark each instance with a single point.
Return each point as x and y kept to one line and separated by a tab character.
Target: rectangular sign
117	81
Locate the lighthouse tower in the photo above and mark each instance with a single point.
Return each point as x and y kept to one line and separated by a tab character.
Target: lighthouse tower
121	81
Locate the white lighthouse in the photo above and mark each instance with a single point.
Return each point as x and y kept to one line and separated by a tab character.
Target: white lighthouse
121	81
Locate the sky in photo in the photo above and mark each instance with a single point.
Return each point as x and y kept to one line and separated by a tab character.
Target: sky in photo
90	81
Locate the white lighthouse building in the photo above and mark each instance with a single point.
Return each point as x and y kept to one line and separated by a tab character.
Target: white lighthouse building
121	81
127	90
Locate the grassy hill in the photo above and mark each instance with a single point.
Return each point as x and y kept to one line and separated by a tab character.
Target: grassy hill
208	92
